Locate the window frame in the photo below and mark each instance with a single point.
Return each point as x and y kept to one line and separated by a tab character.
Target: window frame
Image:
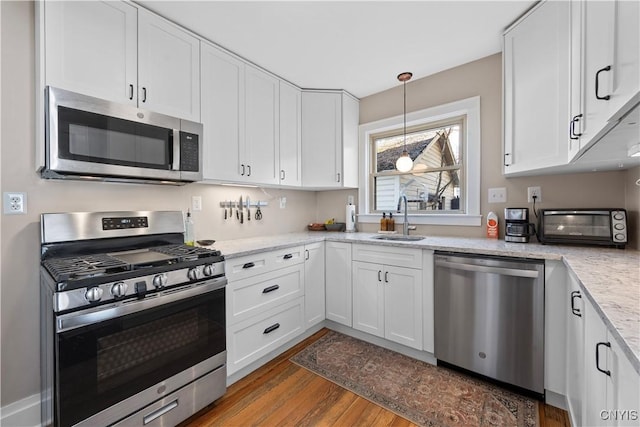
460	121
470	108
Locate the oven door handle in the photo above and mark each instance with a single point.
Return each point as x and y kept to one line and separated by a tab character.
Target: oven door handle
67	322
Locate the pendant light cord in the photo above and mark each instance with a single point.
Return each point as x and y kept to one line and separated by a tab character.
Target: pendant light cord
404	86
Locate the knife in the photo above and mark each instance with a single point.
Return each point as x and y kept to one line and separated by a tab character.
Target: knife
241	211
248	209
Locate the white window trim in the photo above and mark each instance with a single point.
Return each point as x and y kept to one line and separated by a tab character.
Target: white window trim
472	144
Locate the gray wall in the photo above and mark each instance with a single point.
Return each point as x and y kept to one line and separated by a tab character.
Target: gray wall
19	285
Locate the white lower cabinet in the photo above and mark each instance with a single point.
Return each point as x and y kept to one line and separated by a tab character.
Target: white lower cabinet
574	314
255	337
314	294
387	299
611	384
265	306
338	282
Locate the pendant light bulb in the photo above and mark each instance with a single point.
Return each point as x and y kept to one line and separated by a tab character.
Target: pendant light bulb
404	162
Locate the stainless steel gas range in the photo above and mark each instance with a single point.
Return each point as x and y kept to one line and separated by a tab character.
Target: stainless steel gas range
133	320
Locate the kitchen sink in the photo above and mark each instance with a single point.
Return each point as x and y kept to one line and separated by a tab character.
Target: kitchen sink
398	237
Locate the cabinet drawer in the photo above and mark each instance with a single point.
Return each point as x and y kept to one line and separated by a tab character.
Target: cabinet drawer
253	338
264	262
400	257
253	295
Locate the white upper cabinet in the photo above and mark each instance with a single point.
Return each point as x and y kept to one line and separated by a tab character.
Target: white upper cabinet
115	51
329	140
536	89
586	54
259	163
91	48
222	113
290	135
168	68
610	58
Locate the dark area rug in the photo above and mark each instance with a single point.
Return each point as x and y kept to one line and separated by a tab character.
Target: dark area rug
422	393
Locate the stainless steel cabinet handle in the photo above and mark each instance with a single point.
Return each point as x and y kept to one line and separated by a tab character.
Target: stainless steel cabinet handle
249	170
574	310
606	344
160	412
484	269
507	160
379	276
282	175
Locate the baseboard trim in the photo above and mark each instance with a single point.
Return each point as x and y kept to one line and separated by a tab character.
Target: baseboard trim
556	399
22	413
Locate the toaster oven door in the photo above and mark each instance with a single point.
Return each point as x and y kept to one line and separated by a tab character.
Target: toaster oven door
587	227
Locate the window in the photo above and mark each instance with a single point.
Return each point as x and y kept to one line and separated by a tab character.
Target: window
434	183
444	185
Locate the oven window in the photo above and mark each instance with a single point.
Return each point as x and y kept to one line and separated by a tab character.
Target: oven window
578	226
96	138
102	364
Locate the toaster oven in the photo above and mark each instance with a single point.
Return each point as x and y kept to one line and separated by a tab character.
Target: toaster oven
607	227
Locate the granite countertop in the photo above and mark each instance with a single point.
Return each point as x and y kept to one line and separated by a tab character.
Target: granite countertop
610	278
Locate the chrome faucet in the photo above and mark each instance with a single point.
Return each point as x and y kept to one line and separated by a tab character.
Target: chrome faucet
405	224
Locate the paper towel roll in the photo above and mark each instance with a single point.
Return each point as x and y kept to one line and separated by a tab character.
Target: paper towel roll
350	215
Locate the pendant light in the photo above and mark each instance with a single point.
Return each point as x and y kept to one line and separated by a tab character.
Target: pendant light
404	162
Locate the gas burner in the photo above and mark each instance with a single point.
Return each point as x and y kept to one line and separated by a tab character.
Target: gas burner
187	253
79	267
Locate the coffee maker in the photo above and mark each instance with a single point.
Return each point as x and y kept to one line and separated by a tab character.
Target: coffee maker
517	226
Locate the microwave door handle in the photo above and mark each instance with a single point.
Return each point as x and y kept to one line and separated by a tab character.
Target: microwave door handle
176	150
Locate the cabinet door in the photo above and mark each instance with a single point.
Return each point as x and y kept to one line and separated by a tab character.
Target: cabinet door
574	313
314	306
626	56
290	135
595	381
403	305
261	127
169	68
536	89
222	113
347	158
625	392
598	38
338	282
91	48
368	298
321	139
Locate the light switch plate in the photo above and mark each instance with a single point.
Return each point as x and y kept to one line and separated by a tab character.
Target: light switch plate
498	195
196	203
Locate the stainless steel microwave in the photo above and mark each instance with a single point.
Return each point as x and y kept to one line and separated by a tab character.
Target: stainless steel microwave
607	227
90	138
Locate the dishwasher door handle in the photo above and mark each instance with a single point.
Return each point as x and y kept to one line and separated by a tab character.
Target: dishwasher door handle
484	269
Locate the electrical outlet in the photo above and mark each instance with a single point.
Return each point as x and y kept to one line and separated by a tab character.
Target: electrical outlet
14	203
283	202
498	195
350	200
534	191
196	203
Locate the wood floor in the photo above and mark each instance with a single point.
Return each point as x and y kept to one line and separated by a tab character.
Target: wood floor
281	393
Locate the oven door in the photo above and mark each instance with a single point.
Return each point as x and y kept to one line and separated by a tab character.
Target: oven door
93	137
112	361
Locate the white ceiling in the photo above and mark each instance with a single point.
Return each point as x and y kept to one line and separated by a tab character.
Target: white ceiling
359	46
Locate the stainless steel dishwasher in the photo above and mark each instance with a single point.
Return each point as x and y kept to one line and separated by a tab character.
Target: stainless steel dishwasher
489	317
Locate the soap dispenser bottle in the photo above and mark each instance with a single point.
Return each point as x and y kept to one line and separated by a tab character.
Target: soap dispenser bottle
383	222
391	223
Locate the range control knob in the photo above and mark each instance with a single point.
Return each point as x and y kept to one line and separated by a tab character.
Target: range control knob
193	273
119	289
207	270
159	280
93	294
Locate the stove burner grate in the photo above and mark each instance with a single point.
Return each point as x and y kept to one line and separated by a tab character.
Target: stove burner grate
186	253
78	267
